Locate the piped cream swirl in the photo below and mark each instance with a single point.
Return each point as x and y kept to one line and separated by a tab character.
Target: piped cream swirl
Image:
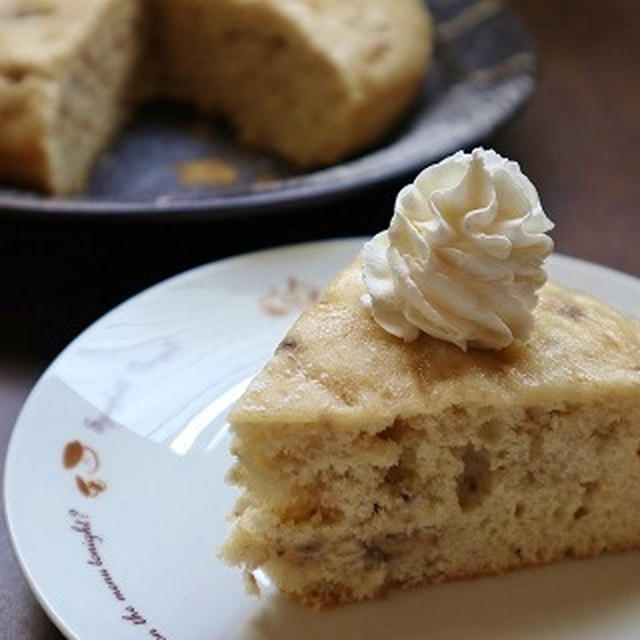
463	256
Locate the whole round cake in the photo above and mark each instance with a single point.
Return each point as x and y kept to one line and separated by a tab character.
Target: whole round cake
311	81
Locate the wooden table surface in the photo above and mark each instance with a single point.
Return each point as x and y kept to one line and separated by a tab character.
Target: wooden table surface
577	140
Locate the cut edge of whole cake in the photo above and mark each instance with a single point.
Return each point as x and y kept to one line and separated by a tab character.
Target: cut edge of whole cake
65	73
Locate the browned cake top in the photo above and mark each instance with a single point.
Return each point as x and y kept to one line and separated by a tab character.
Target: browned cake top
337	365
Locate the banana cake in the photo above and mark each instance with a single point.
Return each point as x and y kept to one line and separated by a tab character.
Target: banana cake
65	68
372	456
311	81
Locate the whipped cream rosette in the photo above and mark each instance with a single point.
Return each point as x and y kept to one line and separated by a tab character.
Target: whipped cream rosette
463	256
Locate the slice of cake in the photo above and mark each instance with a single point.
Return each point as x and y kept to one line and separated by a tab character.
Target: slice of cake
370	461
65	66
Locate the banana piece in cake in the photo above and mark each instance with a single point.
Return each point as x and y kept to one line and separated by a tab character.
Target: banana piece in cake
65	66
311	81
425	419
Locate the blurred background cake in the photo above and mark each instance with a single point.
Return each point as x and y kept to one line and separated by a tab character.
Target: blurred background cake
312	82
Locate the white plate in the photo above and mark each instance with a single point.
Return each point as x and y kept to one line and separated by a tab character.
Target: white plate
119	542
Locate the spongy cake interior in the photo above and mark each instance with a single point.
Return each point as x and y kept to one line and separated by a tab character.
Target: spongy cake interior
368	462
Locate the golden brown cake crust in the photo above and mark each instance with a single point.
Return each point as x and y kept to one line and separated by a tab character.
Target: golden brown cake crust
352	372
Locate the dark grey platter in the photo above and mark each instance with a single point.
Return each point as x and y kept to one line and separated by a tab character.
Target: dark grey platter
483	70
